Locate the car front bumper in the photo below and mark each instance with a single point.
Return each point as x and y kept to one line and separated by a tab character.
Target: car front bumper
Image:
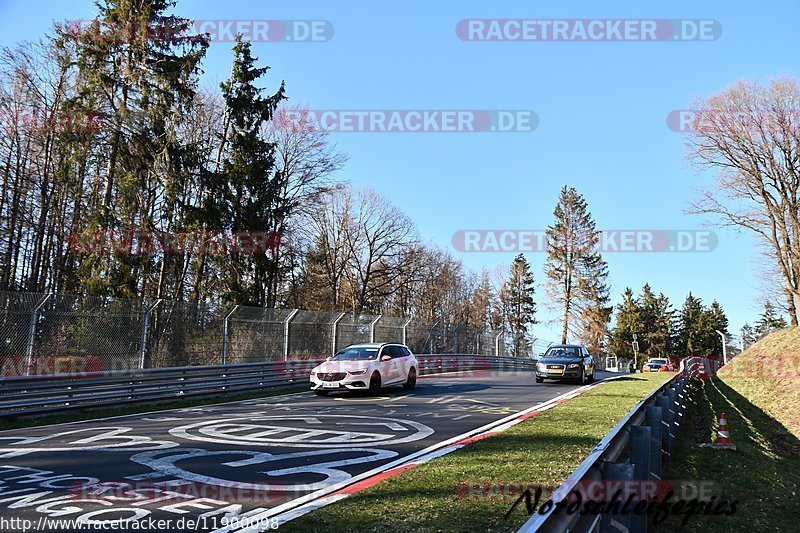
349	382
572	373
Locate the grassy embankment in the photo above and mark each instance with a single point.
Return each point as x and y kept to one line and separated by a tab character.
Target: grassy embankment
760	393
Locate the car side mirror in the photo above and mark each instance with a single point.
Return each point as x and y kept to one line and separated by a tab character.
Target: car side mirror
386	358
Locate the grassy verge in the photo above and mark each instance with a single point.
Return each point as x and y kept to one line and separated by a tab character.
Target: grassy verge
543	450
132	409
763	474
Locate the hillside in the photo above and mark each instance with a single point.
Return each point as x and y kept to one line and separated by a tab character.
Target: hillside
768	374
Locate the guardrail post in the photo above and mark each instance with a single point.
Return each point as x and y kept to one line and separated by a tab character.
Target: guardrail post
286	333
143	340
666	421
333	333
404	329
672	393
617	472
372	329
640	457
32	334
653	419
225	334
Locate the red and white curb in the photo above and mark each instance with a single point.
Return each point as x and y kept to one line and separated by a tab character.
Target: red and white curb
324	497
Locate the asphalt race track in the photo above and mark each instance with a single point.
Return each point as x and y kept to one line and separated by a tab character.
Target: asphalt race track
193	467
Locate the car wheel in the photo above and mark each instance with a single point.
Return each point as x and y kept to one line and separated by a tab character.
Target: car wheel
321	392
375	384
591	377
411	382
539	380
583	375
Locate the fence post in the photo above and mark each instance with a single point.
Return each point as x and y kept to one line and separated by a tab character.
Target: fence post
143	341
286	333
32	334
225	334
372	329
333	341
497	344
404	329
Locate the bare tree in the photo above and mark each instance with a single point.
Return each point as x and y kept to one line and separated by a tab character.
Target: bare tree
379	235
306	162
327	229
750	133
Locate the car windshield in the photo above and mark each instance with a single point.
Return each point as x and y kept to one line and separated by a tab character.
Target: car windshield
356	354
562	351
657	362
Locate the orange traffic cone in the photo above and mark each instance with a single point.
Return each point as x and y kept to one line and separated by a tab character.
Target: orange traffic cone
723	441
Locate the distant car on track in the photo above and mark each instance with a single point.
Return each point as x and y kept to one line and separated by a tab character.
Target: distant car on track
658	364
369	367
565	361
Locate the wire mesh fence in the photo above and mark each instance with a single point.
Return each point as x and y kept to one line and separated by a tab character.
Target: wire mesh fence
57	334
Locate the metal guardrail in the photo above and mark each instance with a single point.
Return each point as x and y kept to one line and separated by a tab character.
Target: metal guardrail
634	451
62	392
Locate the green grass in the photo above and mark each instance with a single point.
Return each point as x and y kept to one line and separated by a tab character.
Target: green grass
763	474
542	450
131	409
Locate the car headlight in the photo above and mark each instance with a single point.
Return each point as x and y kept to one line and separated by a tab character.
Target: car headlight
573	365
313	373
357	372
540	366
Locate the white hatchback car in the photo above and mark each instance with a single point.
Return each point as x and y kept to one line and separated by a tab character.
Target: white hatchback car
366	367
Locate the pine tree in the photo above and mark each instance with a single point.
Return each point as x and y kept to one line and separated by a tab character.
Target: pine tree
575	270
247	184
138	77
628	321
769	320
520	303
656	323
697	329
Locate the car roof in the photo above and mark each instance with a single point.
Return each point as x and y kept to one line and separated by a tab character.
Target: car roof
373	344
565	346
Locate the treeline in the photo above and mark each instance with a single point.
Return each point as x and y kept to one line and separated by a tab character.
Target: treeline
123	177
661	330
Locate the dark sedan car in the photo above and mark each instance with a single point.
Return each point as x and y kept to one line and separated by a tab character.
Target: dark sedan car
565	361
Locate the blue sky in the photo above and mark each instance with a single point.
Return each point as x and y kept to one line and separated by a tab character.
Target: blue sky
602	109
